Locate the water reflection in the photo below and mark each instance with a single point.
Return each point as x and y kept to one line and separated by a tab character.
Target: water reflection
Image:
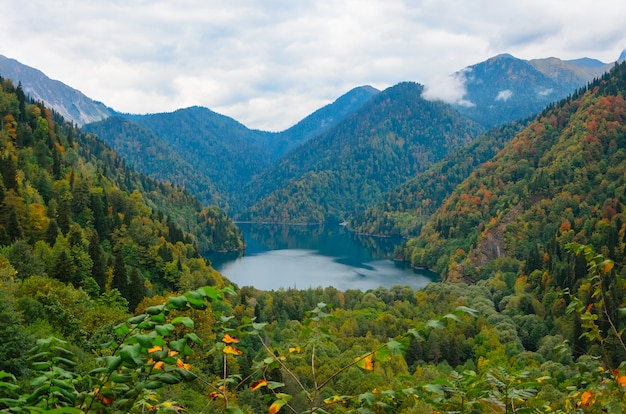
282	256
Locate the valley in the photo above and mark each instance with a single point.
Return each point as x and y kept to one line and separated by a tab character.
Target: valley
110	301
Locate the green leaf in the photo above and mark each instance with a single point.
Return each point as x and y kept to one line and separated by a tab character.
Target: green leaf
397	347
367	397
146	341
272	385
135	320
179	345
120	378
159	317
185	320
233	410
155	310
258	326
177	302
466	310
41	366
121	329
153	385
210	292
194	338
168	378
165	330
383	354
113	362
434	324
434	388
64	361
129	352
186	375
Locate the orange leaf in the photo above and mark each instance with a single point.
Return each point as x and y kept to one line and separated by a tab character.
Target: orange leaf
258	384
608	266
230	339
216	395
159	365
233	351
585	399
154	349
621	381
276	406
181	364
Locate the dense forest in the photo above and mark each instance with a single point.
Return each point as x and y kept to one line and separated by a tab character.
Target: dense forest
405	208
106	306
393	136
211	155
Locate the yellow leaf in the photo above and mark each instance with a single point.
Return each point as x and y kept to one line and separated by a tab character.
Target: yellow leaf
232	351
258	384
366	363
159	365
296	349
154	349
230	339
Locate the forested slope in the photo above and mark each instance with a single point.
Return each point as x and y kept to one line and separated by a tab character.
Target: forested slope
404	209
561	179
72	210
391	138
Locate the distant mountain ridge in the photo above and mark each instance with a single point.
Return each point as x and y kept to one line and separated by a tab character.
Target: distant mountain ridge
70	103
504	88
210	154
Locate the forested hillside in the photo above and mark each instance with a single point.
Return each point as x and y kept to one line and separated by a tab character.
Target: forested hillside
72	210
561	179
404	209
150	154
391	138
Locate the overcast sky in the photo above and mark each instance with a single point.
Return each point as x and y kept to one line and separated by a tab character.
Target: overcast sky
270	63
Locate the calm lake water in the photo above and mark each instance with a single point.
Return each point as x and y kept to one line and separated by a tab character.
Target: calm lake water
301	257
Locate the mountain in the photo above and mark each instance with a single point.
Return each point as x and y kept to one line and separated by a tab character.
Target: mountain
561	179
320	121
391	138
151	155
210	154
67	101
73	210
404	209
504	88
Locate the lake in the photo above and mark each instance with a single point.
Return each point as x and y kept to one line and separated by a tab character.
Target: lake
301	257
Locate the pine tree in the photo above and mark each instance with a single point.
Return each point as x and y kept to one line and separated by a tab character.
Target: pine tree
98	270
120	277
137	290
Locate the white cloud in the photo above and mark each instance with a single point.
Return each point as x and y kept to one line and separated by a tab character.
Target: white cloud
504	95
270	63
545	92
447	88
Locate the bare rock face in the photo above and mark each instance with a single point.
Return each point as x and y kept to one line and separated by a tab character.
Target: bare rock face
72	104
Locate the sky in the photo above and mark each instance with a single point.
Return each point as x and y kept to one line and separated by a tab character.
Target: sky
269	63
